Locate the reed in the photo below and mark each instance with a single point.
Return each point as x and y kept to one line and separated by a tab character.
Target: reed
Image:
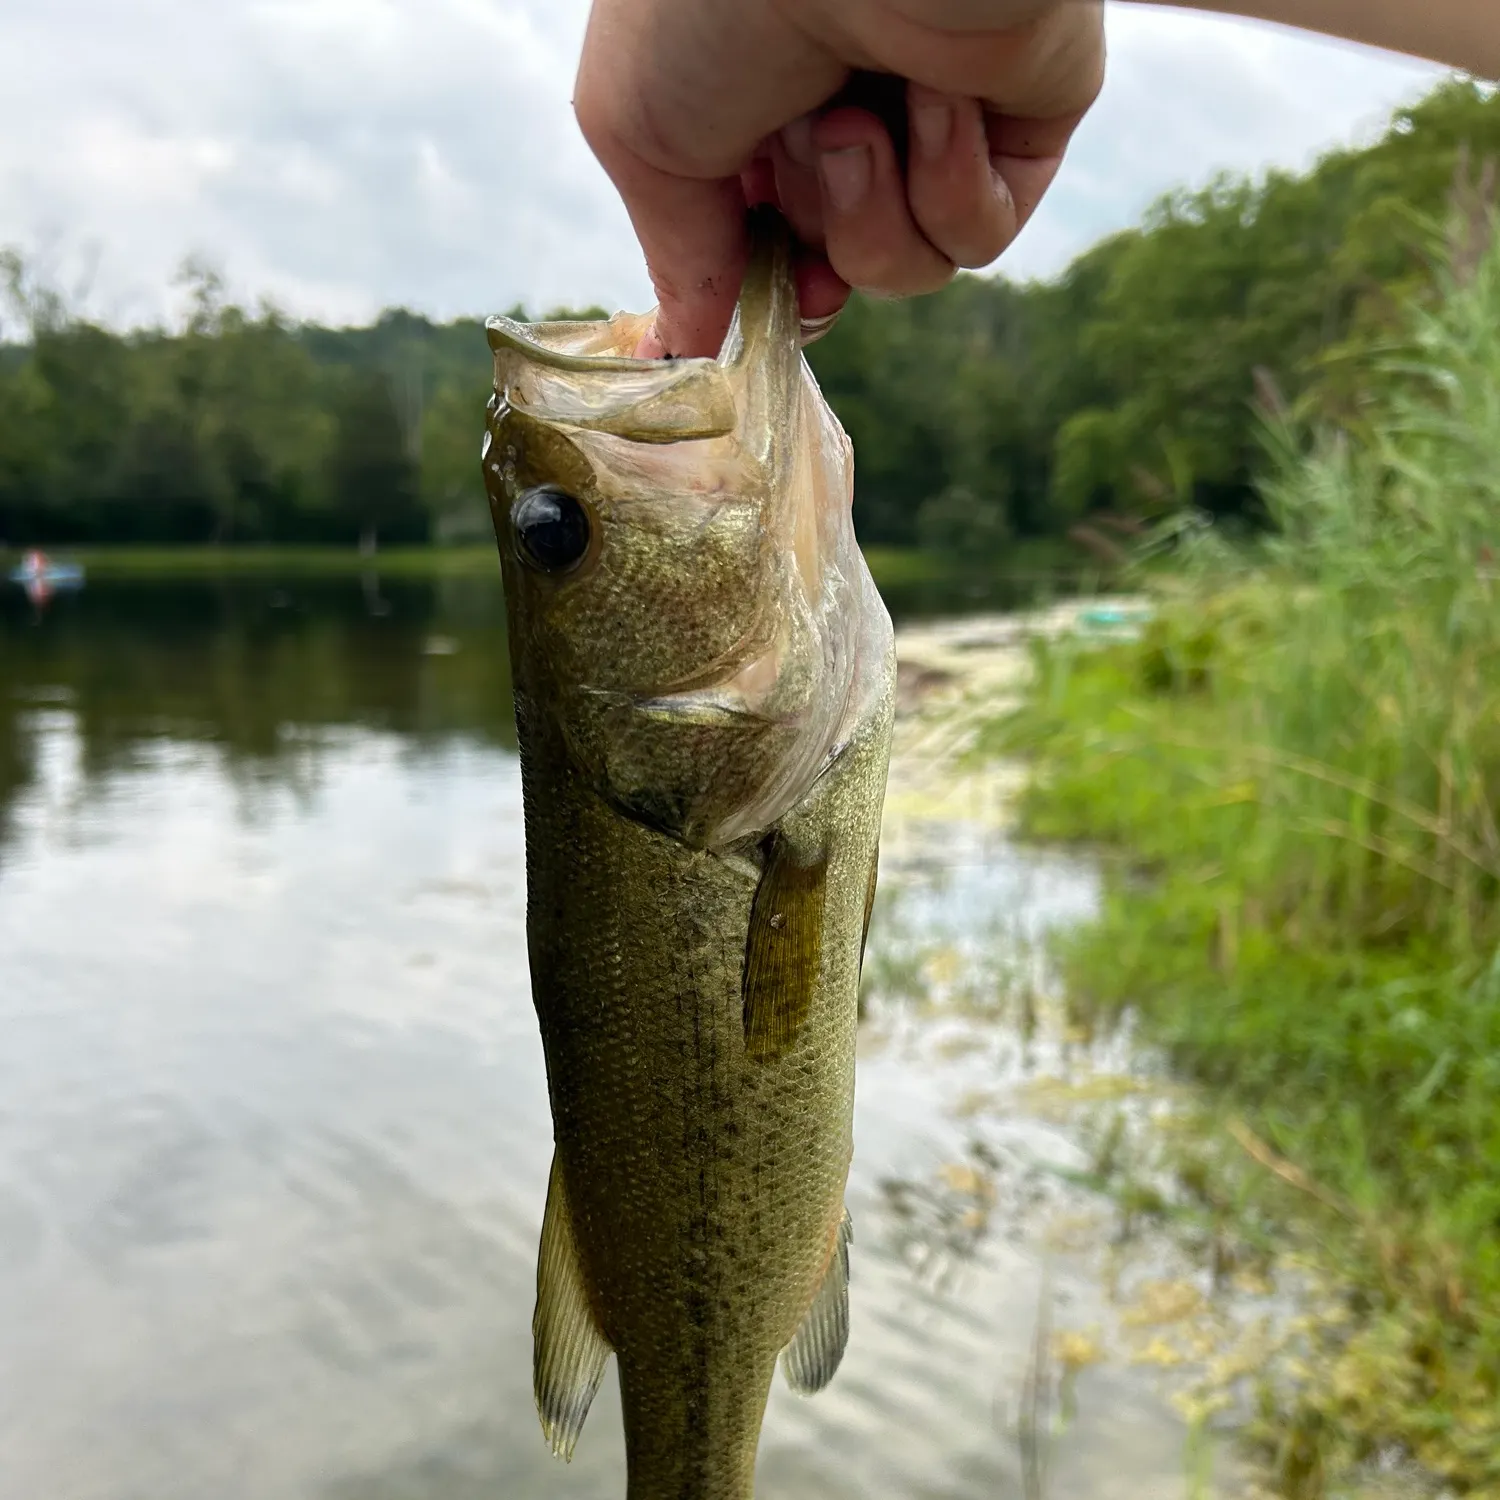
1300	762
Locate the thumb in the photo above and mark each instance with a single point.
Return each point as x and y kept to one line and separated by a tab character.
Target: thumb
675	101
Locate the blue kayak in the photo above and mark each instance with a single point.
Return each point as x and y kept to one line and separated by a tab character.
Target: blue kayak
1111	617
53	575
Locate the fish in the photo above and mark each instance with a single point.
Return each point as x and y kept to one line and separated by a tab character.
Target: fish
703	675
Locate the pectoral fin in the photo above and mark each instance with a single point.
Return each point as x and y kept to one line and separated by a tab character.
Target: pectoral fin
864	936
784	951
812	1358
569	1352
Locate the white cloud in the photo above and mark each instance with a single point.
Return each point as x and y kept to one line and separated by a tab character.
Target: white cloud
343	155
337	155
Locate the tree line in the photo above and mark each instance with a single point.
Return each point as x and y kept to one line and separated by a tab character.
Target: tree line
1125	388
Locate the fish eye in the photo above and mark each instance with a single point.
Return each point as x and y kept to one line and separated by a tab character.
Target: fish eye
552	529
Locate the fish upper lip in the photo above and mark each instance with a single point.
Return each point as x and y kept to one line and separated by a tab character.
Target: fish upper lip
534	342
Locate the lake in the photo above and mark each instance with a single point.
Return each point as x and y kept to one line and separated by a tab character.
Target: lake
273	1121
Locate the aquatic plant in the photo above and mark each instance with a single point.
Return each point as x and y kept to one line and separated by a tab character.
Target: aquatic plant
1301	757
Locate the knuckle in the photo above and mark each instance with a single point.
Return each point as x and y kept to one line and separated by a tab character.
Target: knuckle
863	270
623	127
595	113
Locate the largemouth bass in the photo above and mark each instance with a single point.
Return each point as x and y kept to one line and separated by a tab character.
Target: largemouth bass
704	679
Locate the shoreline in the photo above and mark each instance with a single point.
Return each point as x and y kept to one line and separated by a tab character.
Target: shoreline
1145	1305
1261	1312
954	676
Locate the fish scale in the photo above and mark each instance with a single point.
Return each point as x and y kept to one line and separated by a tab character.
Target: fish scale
704	681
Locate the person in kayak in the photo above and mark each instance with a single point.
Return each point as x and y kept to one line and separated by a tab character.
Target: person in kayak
697	108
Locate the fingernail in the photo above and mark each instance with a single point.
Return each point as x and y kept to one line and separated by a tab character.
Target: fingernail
797	140
846	176
814	328
1001	187
932	124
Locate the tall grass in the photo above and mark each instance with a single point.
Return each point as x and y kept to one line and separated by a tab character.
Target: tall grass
1303	754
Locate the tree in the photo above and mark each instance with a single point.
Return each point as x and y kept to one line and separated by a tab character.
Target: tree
372	479
963	527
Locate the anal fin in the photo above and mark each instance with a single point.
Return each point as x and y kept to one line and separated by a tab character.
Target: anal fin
812	1358
569	1352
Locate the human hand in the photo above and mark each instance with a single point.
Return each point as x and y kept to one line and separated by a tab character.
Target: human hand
697	108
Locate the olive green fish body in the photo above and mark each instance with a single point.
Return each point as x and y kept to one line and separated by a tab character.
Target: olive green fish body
704	701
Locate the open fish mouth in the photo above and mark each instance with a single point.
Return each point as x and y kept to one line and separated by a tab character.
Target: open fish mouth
695	625
575	374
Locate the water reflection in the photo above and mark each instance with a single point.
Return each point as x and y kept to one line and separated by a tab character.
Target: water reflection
273	1121
264	671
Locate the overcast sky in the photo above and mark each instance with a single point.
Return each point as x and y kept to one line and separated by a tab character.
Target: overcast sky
344	155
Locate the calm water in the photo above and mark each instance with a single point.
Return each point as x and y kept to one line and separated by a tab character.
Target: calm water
273	1123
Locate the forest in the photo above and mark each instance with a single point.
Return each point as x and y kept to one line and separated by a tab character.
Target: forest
1125	389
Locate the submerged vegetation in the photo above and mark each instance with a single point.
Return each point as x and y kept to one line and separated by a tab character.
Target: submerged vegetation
1300	762
993	415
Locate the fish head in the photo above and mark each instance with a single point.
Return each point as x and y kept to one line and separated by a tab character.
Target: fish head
683	587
